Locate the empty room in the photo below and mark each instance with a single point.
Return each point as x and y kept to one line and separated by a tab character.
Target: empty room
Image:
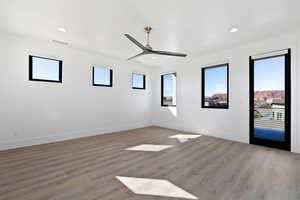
149	100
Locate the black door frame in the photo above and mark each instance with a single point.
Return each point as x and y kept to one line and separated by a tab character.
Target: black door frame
275	144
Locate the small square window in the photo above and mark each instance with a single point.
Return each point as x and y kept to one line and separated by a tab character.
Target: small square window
102	76
45	69
138	81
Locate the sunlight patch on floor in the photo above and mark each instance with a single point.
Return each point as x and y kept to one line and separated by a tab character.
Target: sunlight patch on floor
149	147
154	187
184	138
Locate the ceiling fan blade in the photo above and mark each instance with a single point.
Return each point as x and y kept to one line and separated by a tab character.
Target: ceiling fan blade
135	41
169	53
138	55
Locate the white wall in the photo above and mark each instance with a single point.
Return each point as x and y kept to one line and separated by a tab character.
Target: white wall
233	123
40	112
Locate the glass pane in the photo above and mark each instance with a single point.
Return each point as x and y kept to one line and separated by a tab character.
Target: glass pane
269	98
45	69
101	76
137	80
169	89
215	90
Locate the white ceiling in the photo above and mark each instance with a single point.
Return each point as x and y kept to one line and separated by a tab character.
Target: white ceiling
188	26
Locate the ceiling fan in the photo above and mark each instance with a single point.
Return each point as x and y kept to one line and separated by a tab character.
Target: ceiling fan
148	49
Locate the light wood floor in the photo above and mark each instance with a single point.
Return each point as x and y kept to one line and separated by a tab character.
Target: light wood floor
209	168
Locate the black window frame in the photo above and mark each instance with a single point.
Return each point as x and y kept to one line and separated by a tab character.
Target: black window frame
162	90
45	80
203	86
103	85
286	145
144	82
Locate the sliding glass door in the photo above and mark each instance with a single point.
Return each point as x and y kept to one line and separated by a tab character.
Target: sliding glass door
270	100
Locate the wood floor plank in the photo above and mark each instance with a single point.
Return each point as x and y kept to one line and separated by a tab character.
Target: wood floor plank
207	167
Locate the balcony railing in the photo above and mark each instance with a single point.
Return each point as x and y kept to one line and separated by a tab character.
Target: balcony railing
269	118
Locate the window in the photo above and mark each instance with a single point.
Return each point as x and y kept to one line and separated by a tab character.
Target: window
102	76
45	69
215	86
168	89
138	81
270	99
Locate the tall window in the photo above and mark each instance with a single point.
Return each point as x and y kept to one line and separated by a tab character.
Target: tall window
45	69
102	77
138	81
215	86
270	99
168	89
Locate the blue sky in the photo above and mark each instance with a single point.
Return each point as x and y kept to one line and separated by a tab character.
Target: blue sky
168	86
101	75
269	74
137	80
215	80
45	69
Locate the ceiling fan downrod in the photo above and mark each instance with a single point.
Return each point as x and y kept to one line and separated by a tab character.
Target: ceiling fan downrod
148	30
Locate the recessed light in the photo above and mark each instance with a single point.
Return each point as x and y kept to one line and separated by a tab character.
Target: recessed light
62	30
233	30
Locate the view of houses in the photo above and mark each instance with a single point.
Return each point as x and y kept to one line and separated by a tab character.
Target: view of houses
216	100
168	101
269	109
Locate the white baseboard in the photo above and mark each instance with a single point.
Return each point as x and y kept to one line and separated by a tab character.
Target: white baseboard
191	130
5	145
175	127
